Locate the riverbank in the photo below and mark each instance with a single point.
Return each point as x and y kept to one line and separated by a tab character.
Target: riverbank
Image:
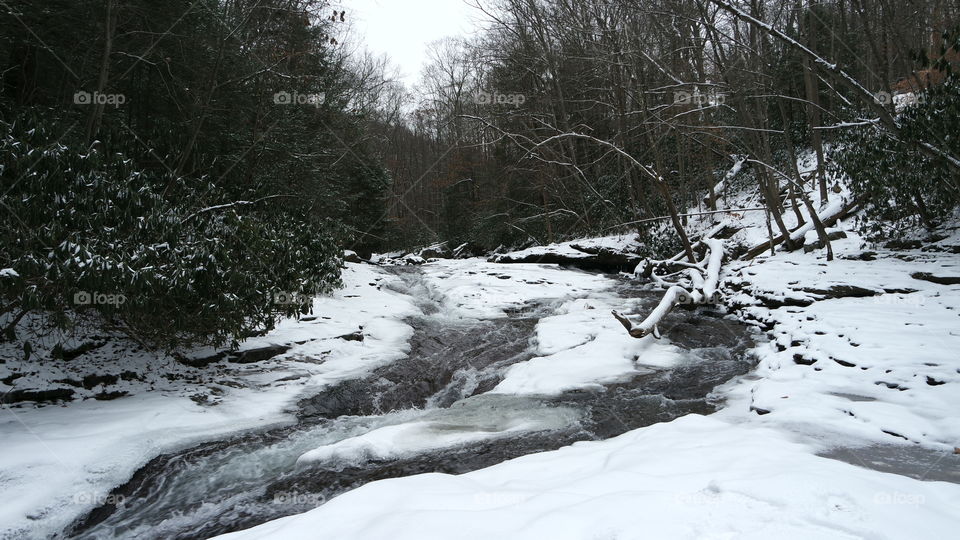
846	428
64	459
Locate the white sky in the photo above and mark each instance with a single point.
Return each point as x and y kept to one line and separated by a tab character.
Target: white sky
403	28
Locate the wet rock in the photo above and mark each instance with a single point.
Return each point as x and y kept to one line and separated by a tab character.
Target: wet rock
774	303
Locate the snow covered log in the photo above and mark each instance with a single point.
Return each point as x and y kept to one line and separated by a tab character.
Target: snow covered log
828	216
703	278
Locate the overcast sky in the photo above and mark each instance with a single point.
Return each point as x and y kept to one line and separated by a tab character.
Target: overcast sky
403	28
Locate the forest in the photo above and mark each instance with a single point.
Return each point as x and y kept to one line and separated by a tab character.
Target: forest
577	269
252	144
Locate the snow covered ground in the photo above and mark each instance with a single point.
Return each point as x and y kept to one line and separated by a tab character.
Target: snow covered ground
62	461
579	249
694	478
885	373
862	358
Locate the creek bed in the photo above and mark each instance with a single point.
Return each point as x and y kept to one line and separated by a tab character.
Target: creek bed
245	480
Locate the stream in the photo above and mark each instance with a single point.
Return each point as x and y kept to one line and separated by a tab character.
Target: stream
248	479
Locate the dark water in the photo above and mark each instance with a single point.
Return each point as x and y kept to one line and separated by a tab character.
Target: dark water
246	480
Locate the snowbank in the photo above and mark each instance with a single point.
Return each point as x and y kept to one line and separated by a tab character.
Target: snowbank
693	478
63	461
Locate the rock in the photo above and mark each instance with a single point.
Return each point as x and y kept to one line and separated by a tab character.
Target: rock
862	256
354	336
903	244
107	396
467	250
39	396
802	360
842	291
436	251
259	354
201	361
941	280
831	236
351	256
603	259
63	353
92	381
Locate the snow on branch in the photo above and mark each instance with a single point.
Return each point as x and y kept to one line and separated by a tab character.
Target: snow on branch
229	205
701	288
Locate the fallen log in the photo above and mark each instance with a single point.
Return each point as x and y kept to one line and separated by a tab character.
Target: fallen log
702	289
828	218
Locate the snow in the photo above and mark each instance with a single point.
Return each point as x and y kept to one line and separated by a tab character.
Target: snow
874	370
63	461
476	419
8	273
884	374
85	448
884	364
583	348
693	478
618	242
478	289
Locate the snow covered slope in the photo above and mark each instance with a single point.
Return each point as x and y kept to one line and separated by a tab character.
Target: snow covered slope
861	365
694	478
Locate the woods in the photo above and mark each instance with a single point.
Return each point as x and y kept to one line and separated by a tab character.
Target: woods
199	159
612	112
255	140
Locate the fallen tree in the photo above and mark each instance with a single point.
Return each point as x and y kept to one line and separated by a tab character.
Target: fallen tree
692	284
827	216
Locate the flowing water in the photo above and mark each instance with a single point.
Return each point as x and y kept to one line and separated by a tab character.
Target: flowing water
248	479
